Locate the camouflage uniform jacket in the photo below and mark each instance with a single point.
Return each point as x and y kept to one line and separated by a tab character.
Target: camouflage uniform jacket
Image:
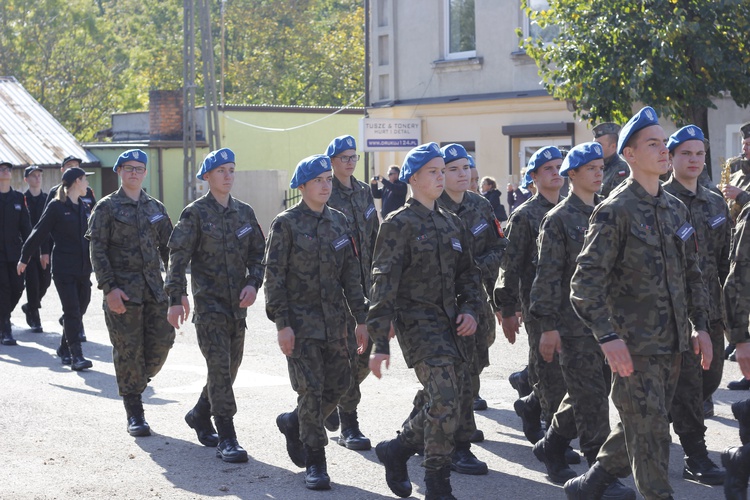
518	268
488	241
127	238
560	242
423	277
312	273
740	178
737	286
709	216
638	274
362	216
224	247
616	170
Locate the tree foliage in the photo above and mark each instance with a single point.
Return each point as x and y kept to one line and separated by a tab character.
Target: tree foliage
674	55
84	60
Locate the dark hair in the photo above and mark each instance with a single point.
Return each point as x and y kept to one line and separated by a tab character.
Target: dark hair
490	181
394	168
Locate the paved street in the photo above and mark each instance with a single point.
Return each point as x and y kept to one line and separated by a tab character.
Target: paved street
63	433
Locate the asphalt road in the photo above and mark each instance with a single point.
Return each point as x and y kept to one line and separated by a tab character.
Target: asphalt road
62	433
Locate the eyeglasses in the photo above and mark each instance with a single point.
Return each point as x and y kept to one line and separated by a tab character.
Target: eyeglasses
131	168
5	169
392	173
349	159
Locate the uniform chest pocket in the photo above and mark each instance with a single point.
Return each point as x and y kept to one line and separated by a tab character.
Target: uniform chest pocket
642	252
577	234
306	243
124	229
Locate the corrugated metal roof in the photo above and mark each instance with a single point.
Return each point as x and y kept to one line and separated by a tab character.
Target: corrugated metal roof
29	134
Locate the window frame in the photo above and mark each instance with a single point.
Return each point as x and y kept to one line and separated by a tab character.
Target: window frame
467	54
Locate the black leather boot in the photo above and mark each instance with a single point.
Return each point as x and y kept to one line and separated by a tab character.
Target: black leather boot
438	484
736	461
137	425
288	424
698	467
739	385
351	437
78	362
316	471
199	419
616	490
520	382
393	455
463	461
741	411
550	450
6	332
64	353
32	318
591	485
530	411
229	450
332	421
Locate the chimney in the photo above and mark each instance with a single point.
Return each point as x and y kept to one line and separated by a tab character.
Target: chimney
165	114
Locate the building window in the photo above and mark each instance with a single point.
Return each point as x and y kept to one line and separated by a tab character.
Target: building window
460	29
532	28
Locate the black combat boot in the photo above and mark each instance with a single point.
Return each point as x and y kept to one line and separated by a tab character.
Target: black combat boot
316	470
477	436
137	425
520	382
616	490
32	318
463	461
229	450
591	485
741	411
739	385
393	455
64	353
708	408
736	461
288	424
82	334
550	450
351	437
332	421
480	404
438	484
698	467
6	332
530	411
199	419
78	362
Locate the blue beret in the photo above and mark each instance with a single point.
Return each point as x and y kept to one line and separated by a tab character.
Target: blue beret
416	159
580	156
642	119
453	152
542	156
309	168
687	133
215	159
472	164
131	154
339	144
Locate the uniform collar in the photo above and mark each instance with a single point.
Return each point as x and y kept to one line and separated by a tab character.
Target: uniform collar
325	214
420	209
544	201
142	197
578	203
679	188
448	202
231	205
338	185
640	192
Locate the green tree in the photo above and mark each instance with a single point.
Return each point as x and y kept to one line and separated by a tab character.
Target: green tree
674	55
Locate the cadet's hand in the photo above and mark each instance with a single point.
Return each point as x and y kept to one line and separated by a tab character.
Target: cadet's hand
286	340
391	331
376	360
362	338
618	357
115	300
20	268
467	325
702	345
730	192
510	327
177	315
549	345
247	296
742	351
44	259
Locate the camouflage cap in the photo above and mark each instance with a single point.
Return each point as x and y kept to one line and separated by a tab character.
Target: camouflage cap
606	128
646	117
745	129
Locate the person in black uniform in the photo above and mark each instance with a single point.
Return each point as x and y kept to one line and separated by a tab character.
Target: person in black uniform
66	219
15	227
38	277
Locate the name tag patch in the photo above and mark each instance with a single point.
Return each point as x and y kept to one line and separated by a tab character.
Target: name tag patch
244	230
340	243
156	218
717	221
481	226
456	244
17	207
370	211
685	231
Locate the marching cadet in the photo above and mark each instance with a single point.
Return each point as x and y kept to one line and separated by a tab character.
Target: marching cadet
354	199
313	281
514	286
128	234
487	245
66	220
220	238
616	170
584	412
636	284
16	227
38	276
709	216
426	282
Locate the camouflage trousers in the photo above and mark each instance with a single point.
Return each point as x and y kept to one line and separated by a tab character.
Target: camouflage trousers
588	379
320	374
141	339
640	442
222	342
712	376
447	417
360	369
687	405
545	378
482	339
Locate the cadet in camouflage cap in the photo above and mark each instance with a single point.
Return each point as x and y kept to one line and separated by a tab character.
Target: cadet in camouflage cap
737	191
615	168
431	311
638	287
312	282
220	238
128	234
